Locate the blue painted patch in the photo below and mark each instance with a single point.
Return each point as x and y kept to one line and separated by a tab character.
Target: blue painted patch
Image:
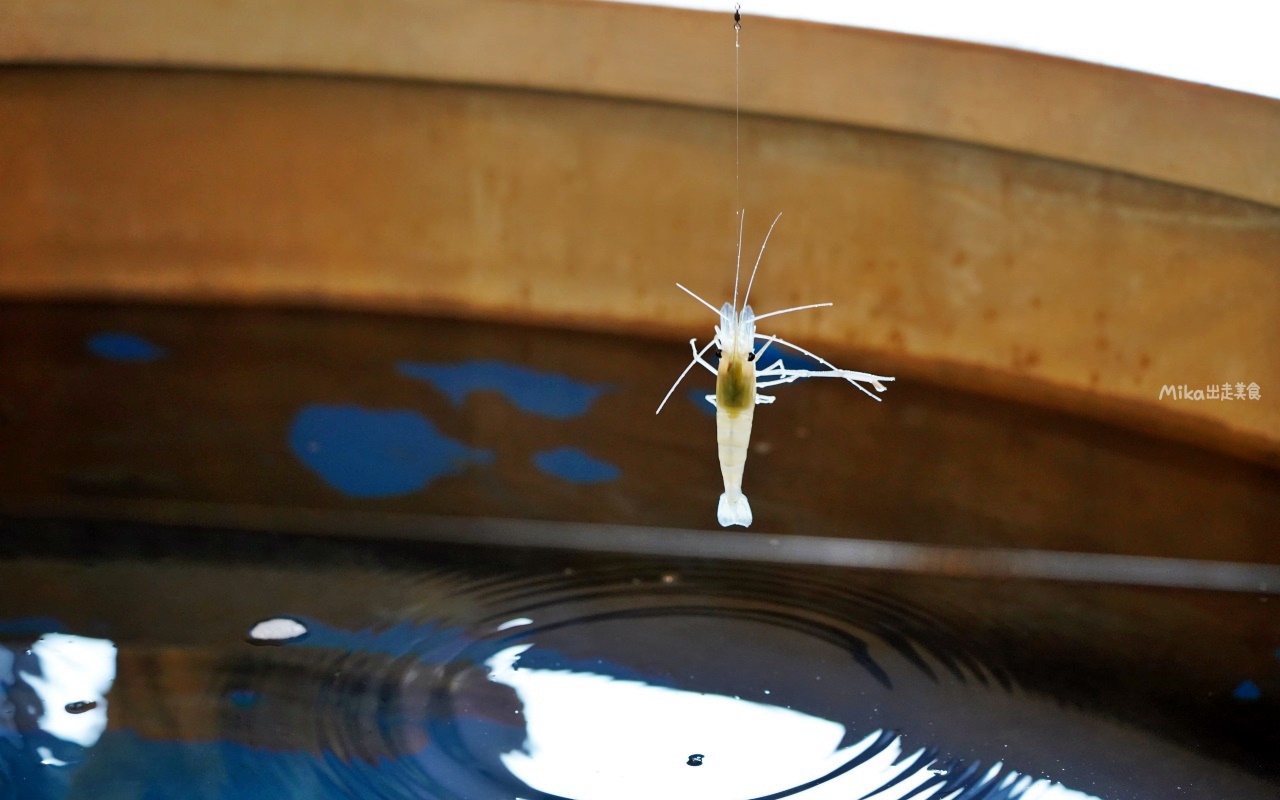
364	453
1247	690
548	394
571	464
116	346
699	399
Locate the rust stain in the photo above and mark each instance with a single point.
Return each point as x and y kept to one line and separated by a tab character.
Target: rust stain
1023	360
888	301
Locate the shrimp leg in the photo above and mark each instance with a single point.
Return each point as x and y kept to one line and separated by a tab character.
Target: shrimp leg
697	354
777	377
776	374
697	357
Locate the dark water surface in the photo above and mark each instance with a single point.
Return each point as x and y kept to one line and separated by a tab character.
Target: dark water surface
424	671
253	554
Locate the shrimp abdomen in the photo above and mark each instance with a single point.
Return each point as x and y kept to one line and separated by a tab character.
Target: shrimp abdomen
735	408
733	435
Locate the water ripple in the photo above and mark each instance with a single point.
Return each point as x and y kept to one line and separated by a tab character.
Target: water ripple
602	683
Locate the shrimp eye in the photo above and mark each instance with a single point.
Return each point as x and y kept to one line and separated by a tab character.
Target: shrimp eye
719	353
751	356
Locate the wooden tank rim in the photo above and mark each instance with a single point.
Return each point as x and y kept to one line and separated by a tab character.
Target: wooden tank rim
1209	138
1043	107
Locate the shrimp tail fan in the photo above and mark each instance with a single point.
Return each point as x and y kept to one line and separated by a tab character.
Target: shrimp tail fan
733	511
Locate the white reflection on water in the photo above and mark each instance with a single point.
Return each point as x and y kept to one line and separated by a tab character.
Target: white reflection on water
73	670
515	623
48	759
279	629
593	737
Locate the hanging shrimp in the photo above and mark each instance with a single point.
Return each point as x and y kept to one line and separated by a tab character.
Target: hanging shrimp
738	379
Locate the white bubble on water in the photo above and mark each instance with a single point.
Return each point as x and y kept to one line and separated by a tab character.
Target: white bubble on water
276	631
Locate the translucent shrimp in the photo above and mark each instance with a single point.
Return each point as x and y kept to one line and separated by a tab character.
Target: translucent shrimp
738	379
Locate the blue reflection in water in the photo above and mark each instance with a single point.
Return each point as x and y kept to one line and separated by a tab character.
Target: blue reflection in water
423	640
547	394
125	765
368	453
575	466
1247	690
119	346
30	626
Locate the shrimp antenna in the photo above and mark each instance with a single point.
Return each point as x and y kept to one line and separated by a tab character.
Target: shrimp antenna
738	268
757	266
686	372
789	310
714	310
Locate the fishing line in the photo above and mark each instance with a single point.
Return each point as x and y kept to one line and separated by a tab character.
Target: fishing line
737	179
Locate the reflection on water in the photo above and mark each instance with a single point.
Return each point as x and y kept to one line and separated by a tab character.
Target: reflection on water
754	749
71	676
277	631
412	671
52	708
